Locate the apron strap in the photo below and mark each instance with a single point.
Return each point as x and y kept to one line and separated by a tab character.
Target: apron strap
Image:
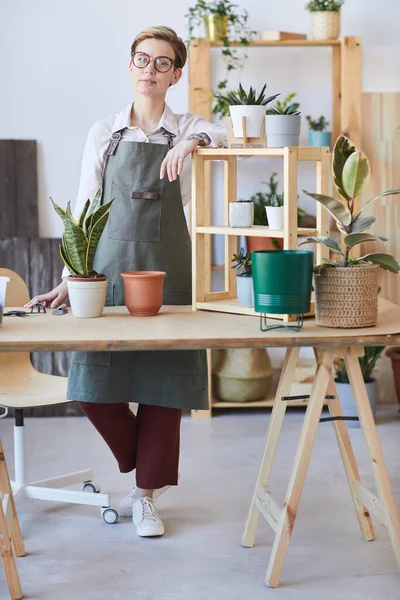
115	140
170	136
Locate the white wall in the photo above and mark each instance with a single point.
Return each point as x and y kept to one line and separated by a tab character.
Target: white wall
64	65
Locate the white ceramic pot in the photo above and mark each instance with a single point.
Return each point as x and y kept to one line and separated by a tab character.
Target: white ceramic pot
275	216
87	296
241	214
254	119
347	400
245	290
324	25
3	290
282	130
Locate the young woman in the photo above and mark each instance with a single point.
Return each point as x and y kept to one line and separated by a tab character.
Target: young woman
141	158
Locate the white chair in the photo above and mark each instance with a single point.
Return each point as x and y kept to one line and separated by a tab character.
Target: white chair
22	387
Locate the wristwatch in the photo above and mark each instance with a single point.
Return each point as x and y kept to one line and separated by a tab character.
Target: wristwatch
202	138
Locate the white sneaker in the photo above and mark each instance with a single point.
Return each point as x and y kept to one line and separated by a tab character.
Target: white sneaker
146	518
125	506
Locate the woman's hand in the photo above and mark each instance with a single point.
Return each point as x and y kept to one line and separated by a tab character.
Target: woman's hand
173	162
53	299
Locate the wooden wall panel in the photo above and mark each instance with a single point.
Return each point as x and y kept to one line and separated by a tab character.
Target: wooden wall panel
8	221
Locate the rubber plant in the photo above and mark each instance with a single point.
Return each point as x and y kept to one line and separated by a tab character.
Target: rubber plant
351	174
82	235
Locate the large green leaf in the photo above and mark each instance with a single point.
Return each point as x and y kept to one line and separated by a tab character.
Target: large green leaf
83	214
95	216
60	211
341	152
356	174
66	261
339	211
387	193
95	203
95	235
363	224
386	261
76	245
359	238
323	239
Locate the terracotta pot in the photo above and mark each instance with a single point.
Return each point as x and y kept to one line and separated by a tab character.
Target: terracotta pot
262	243
394	354
143	292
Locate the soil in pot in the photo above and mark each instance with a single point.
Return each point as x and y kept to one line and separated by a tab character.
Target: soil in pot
143	292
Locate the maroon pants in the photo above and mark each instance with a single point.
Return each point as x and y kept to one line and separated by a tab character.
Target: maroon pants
148	442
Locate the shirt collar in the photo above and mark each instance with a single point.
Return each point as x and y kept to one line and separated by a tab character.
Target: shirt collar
168	120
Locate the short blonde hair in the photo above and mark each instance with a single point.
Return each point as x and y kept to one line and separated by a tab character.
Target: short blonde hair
167	35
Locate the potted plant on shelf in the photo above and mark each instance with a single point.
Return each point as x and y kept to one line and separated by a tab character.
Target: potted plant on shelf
260	201
244	279
367	364
248	105
241	213
324	19
274	209
86	288
346	290
217	17
317	136
283	122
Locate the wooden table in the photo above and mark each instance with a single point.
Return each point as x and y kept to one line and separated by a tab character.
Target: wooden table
181	328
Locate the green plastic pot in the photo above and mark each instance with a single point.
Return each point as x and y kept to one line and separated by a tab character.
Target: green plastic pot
282	281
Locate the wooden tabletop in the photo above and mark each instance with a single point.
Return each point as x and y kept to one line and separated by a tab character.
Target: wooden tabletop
178	327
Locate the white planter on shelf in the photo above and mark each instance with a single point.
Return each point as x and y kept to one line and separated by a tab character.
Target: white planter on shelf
347	400
87	296
254	119
275	216
245	290
241	214
282	130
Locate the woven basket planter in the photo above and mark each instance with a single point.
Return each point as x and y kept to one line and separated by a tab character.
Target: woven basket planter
347	296
324	25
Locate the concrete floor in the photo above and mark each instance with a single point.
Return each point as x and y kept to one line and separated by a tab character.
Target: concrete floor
74	555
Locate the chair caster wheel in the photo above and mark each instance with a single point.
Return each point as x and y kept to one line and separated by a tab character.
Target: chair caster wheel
110	515
91	487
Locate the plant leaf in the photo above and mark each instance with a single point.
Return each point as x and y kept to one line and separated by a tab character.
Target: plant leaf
75	246
83	214
339	211
359	238
323	239
386	261
60	211
387	193
363	224
341	152
66	261
356	174
95	203
95	234
96	215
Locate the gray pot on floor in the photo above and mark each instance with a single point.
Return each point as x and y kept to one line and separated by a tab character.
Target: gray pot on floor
347	400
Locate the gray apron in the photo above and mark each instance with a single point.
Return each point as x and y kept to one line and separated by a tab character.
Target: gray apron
146	230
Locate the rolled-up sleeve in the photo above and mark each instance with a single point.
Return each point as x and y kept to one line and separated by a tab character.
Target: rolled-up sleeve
197	124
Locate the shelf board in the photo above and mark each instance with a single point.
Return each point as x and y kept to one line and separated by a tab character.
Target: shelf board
260	43
233	305
254	231
304	153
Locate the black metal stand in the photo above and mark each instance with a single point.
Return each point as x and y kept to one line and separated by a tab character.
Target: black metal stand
265	327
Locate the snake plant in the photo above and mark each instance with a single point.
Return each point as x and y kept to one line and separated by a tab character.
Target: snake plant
82	235
351	173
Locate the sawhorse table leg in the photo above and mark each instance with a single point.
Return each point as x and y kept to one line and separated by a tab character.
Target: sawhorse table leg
282	519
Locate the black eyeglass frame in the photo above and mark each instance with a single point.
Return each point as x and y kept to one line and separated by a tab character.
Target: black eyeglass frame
172	62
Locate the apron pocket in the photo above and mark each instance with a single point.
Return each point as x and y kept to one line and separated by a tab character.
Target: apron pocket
96	359
136	213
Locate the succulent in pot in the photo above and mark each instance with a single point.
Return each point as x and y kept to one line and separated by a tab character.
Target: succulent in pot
260	200
283	122
86	288
244	279
275	211
317	136
248	105
324	19
347	288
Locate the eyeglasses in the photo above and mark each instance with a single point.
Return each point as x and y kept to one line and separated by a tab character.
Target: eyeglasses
162	64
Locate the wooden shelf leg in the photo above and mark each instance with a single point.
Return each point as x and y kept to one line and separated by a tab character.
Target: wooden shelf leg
274	428
5	488
375	451
293	494
349	461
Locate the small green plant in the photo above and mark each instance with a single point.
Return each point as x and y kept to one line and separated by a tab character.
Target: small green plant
275	201
351	173
242	261
261	200
367	364
319	125
286	107
81	237
325	5
249	98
